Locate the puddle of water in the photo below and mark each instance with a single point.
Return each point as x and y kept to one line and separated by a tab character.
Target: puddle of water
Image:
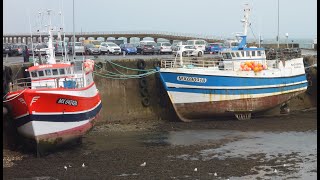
298	148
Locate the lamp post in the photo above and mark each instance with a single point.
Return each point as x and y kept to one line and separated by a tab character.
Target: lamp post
74	36
287	35
278	25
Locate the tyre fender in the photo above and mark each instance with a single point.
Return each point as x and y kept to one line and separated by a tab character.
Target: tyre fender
145	101
144	92
143	83
141	64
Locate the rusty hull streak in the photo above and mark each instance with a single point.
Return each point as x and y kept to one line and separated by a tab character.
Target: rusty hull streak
202	110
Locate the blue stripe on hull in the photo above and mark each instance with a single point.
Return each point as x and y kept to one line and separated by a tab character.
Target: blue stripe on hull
59	117
215	80
239	91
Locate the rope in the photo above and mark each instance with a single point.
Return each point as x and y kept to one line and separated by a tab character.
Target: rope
18	72
120	75
133	69
15	96
124	76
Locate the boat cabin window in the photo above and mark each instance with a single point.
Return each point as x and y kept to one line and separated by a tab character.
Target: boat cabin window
242	53
34	74
227	55
253	53
62	71
259	53
233	55
41	73
48	72
237	53
54	71
68	71
248	53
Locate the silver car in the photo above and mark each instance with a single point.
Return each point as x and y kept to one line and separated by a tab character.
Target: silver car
163	47
78	48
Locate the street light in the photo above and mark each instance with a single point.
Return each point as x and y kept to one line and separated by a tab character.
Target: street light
287	35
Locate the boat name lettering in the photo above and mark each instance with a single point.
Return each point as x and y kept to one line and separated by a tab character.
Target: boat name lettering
297	65
45	66
192	79
67	102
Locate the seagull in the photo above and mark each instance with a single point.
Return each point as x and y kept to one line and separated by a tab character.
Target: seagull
284	165
275	171
65	167
215	174
83	165
70	165
143	164
195	169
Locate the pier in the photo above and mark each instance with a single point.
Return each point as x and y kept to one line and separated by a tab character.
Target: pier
170	36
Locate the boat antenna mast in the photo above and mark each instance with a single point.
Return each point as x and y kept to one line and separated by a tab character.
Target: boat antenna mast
246	23
245	19
51	58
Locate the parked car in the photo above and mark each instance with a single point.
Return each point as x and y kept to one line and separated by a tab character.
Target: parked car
78	48
109	48
91	49
163	47
147	42
145	49
187	50
31	49
17	49
175	45
59	50
42	48
214	47
128	48
198	43
7	50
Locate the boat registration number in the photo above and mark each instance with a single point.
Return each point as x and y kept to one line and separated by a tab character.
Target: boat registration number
67	102
192	79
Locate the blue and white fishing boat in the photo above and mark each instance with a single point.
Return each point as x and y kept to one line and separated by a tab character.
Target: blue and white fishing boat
202	89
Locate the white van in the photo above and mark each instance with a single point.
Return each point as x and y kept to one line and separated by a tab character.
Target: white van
198	44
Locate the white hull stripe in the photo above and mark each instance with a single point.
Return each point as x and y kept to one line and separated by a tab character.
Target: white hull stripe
37	128
175	85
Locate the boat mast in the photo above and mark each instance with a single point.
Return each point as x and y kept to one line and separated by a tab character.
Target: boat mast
51	59
245	20
246	23
34	62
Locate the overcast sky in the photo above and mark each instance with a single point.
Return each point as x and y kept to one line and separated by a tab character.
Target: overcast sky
218	18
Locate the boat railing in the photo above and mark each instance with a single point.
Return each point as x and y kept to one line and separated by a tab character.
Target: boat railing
217	64
177	63
68	83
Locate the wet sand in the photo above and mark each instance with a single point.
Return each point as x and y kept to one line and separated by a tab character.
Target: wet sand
263	148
